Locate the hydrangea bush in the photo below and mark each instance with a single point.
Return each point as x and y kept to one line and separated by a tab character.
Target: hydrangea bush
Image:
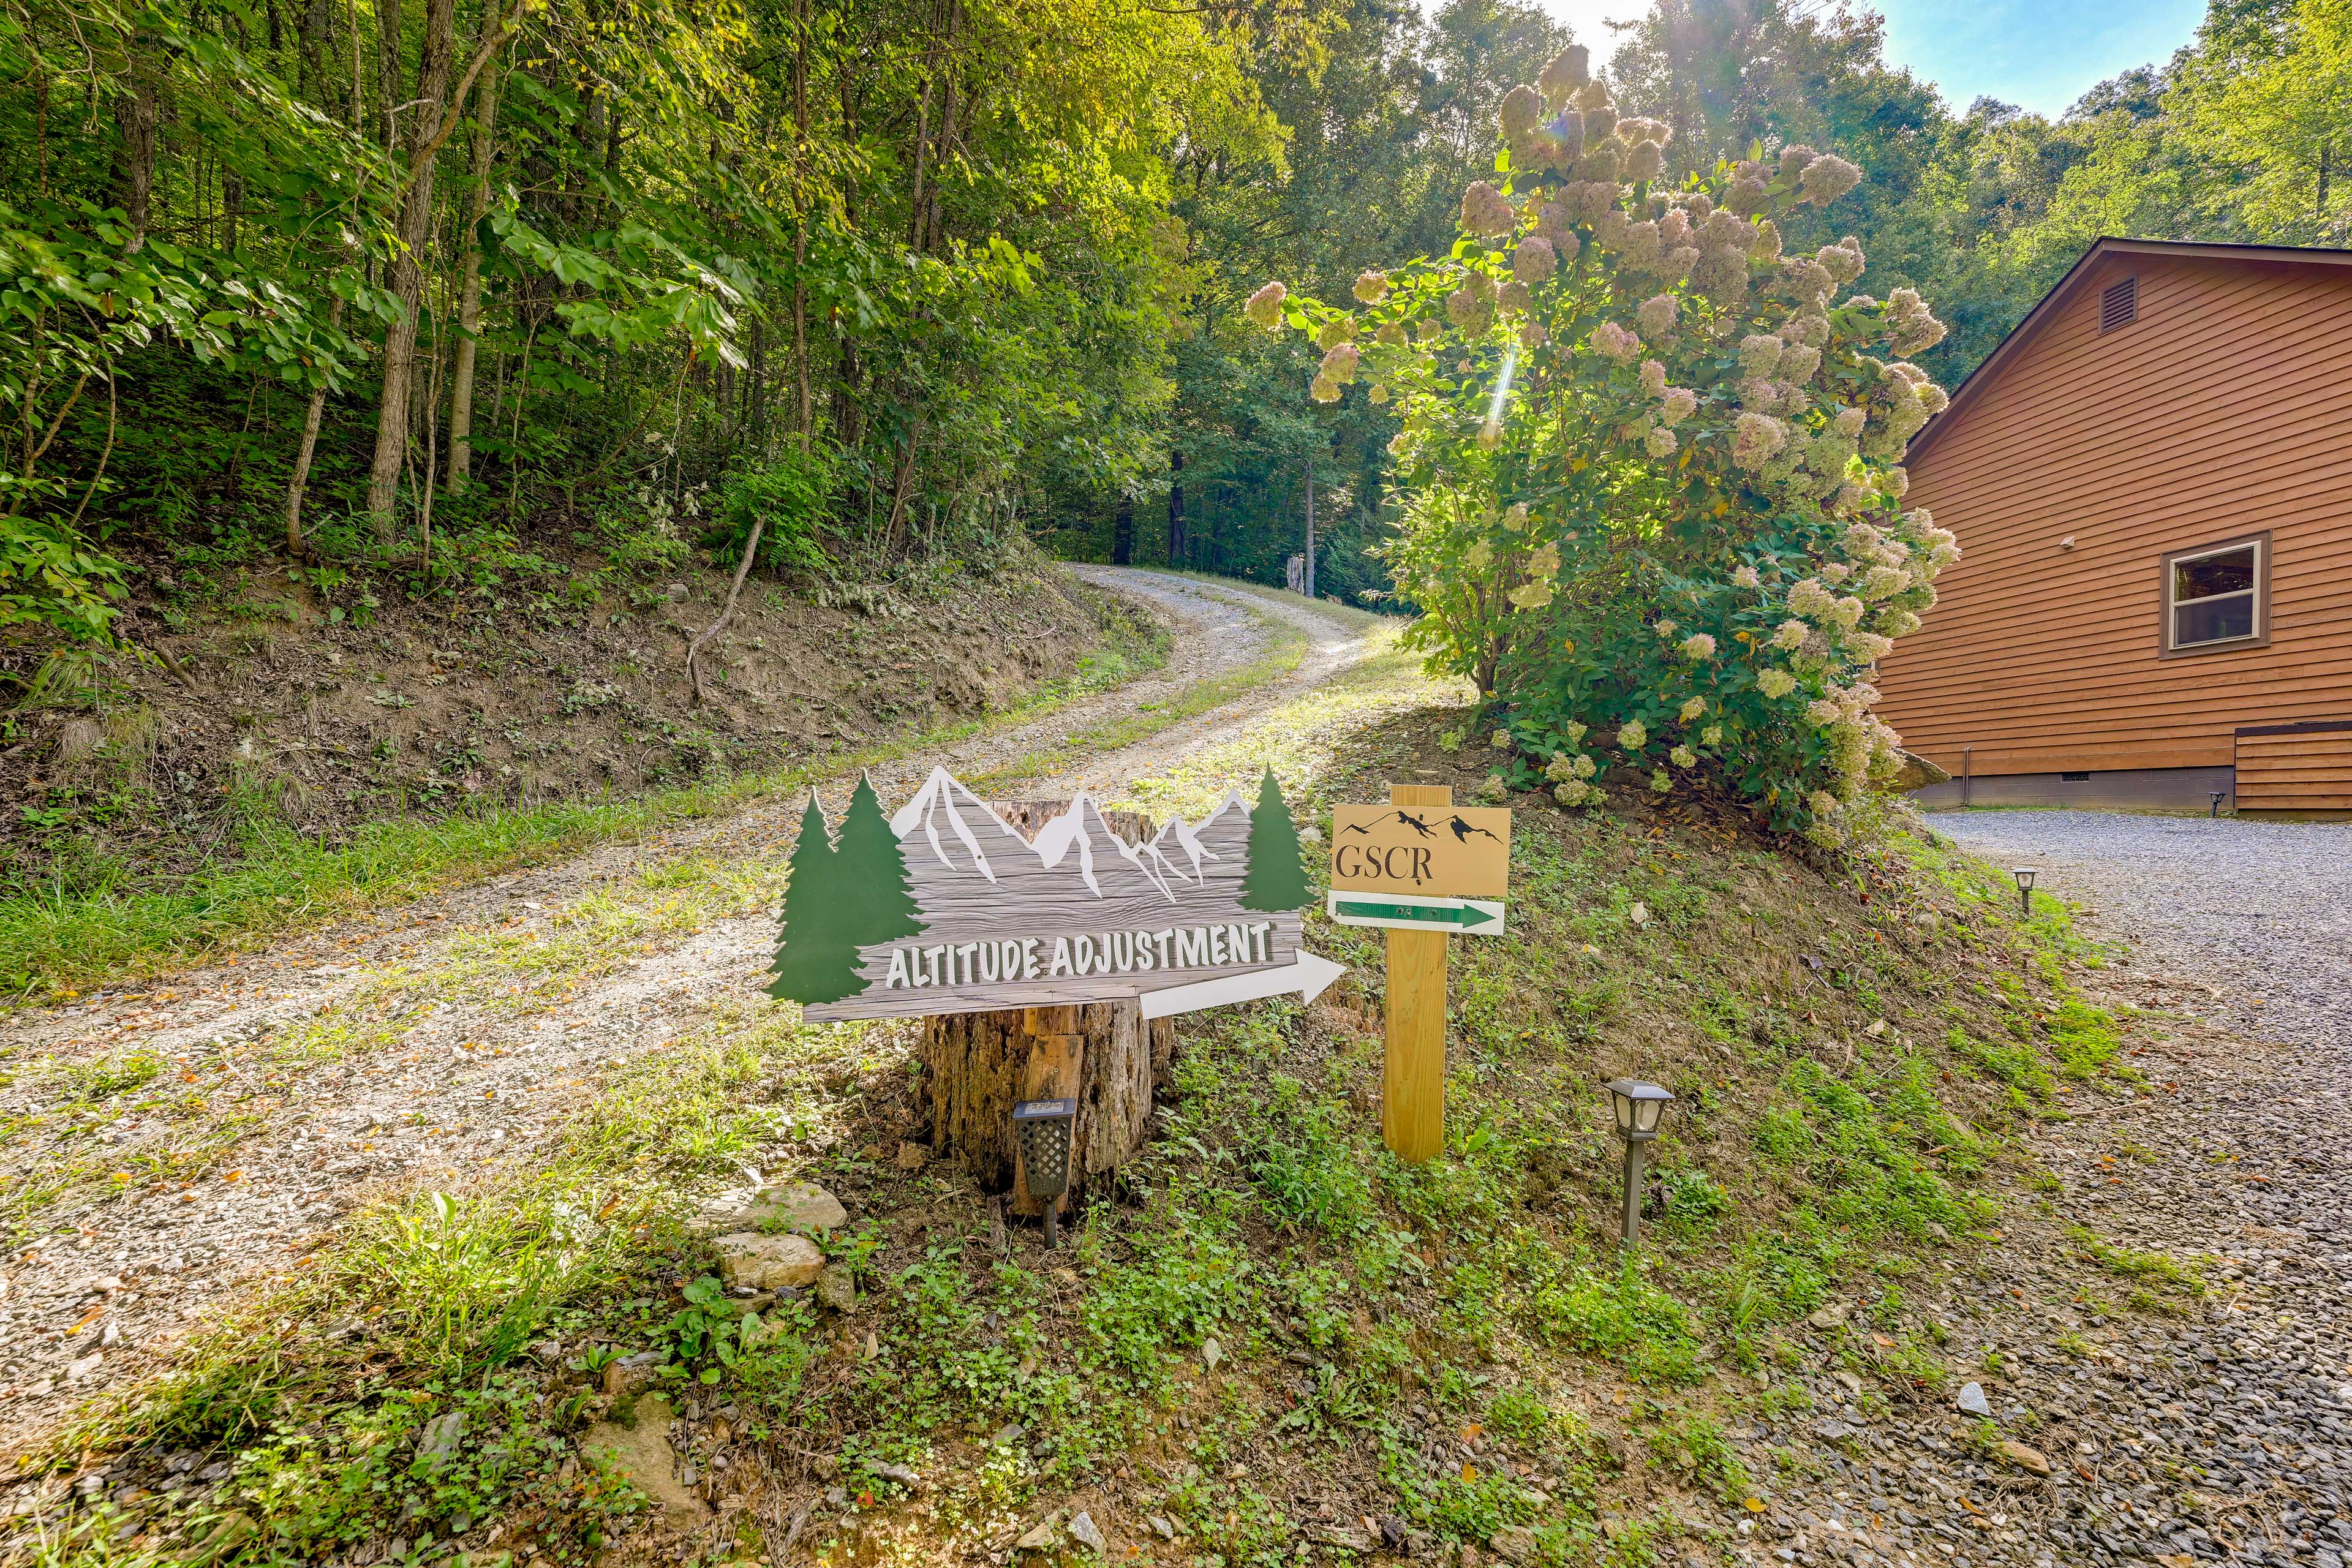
1652	491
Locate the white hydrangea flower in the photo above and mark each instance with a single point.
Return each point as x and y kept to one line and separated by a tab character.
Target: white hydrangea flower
1634	735
1693	709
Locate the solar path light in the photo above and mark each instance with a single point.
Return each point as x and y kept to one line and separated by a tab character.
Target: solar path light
2025	875
1640	1107
1042	1128
2217	794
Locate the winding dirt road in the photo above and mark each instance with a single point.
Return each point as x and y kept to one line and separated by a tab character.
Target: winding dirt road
451	1034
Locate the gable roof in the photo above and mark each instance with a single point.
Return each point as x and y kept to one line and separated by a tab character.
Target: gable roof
2108	245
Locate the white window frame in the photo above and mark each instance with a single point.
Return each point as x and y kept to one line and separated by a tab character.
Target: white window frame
2259	596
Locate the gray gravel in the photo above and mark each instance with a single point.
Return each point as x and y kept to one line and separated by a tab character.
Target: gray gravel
2223	1433
2260	911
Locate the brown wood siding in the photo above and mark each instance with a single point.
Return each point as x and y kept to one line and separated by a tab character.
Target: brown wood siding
2295	770
2225	410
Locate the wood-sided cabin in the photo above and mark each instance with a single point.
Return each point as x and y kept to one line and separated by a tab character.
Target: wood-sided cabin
2151	480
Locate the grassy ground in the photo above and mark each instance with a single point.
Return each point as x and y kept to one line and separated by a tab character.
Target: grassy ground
1271	1343
54	942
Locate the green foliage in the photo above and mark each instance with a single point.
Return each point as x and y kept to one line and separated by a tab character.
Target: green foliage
1701	557
792	496
1694	1448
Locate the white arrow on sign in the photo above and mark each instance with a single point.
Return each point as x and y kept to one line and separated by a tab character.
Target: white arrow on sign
1308	976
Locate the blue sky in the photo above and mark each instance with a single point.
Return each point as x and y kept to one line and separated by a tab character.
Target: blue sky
2037	54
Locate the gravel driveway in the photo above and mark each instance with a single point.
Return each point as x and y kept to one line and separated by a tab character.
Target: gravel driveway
2260	911
2226	1433
410	1084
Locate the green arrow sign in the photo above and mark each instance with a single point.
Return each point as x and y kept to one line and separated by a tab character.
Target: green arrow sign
1482	916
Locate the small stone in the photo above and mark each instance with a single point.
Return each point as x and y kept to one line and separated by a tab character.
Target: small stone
836	1288
911	1157
438	1440
1972	1399
901	1474
1008	1435
768	1262
1212	1352
795	1205
1088	1534
1041	1537
1162	1526
1851	1383
2025	1457
630	1374
1830	1315
642	1451
1516	1542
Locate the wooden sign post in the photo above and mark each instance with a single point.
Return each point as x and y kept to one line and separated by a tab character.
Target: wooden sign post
1425	869
1412	1072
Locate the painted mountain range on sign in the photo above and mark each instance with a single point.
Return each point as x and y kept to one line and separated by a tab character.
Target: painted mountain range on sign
944	906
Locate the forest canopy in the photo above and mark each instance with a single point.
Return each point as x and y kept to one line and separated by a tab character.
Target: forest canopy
423	294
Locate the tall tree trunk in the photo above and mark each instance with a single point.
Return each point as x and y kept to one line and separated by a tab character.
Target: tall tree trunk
141	110
392	412
470	297
387	73
800	215
1122	532
1176	540
1310	531
298	545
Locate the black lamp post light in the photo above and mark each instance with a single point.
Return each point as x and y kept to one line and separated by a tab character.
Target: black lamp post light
2025	875
1640	1107
1042	1127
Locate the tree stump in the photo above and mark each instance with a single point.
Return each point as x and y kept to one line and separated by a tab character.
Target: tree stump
978	1065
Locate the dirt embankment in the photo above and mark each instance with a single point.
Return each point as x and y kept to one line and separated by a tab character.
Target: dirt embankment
331	705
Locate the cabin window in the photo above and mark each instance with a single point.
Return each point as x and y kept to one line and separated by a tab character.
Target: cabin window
2217	596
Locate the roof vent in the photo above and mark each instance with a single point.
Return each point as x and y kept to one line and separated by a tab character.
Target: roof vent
2119	305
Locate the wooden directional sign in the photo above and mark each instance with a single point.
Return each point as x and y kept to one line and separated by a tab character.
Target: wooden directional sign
1399	911
946	908
1425	868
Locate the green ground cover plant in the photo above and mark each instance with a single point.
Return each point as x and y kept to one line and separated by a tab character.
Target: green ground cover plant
1458	1344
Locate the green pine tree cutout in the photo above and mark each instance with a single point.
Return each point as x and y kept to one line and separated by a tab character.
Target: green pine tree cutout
816	956
1276	879
874	896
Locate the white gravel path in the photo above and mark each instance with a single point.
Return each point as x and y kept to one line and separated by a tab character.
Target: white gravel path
105	1283
2260	911
2225	1435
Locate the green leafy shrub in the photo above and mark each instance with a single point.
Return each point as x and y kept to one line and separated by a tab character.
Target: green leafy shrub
1652	491
793	493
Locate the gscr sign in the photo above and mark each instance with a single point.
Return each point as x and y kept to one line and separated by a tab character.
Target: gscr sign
1436	866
